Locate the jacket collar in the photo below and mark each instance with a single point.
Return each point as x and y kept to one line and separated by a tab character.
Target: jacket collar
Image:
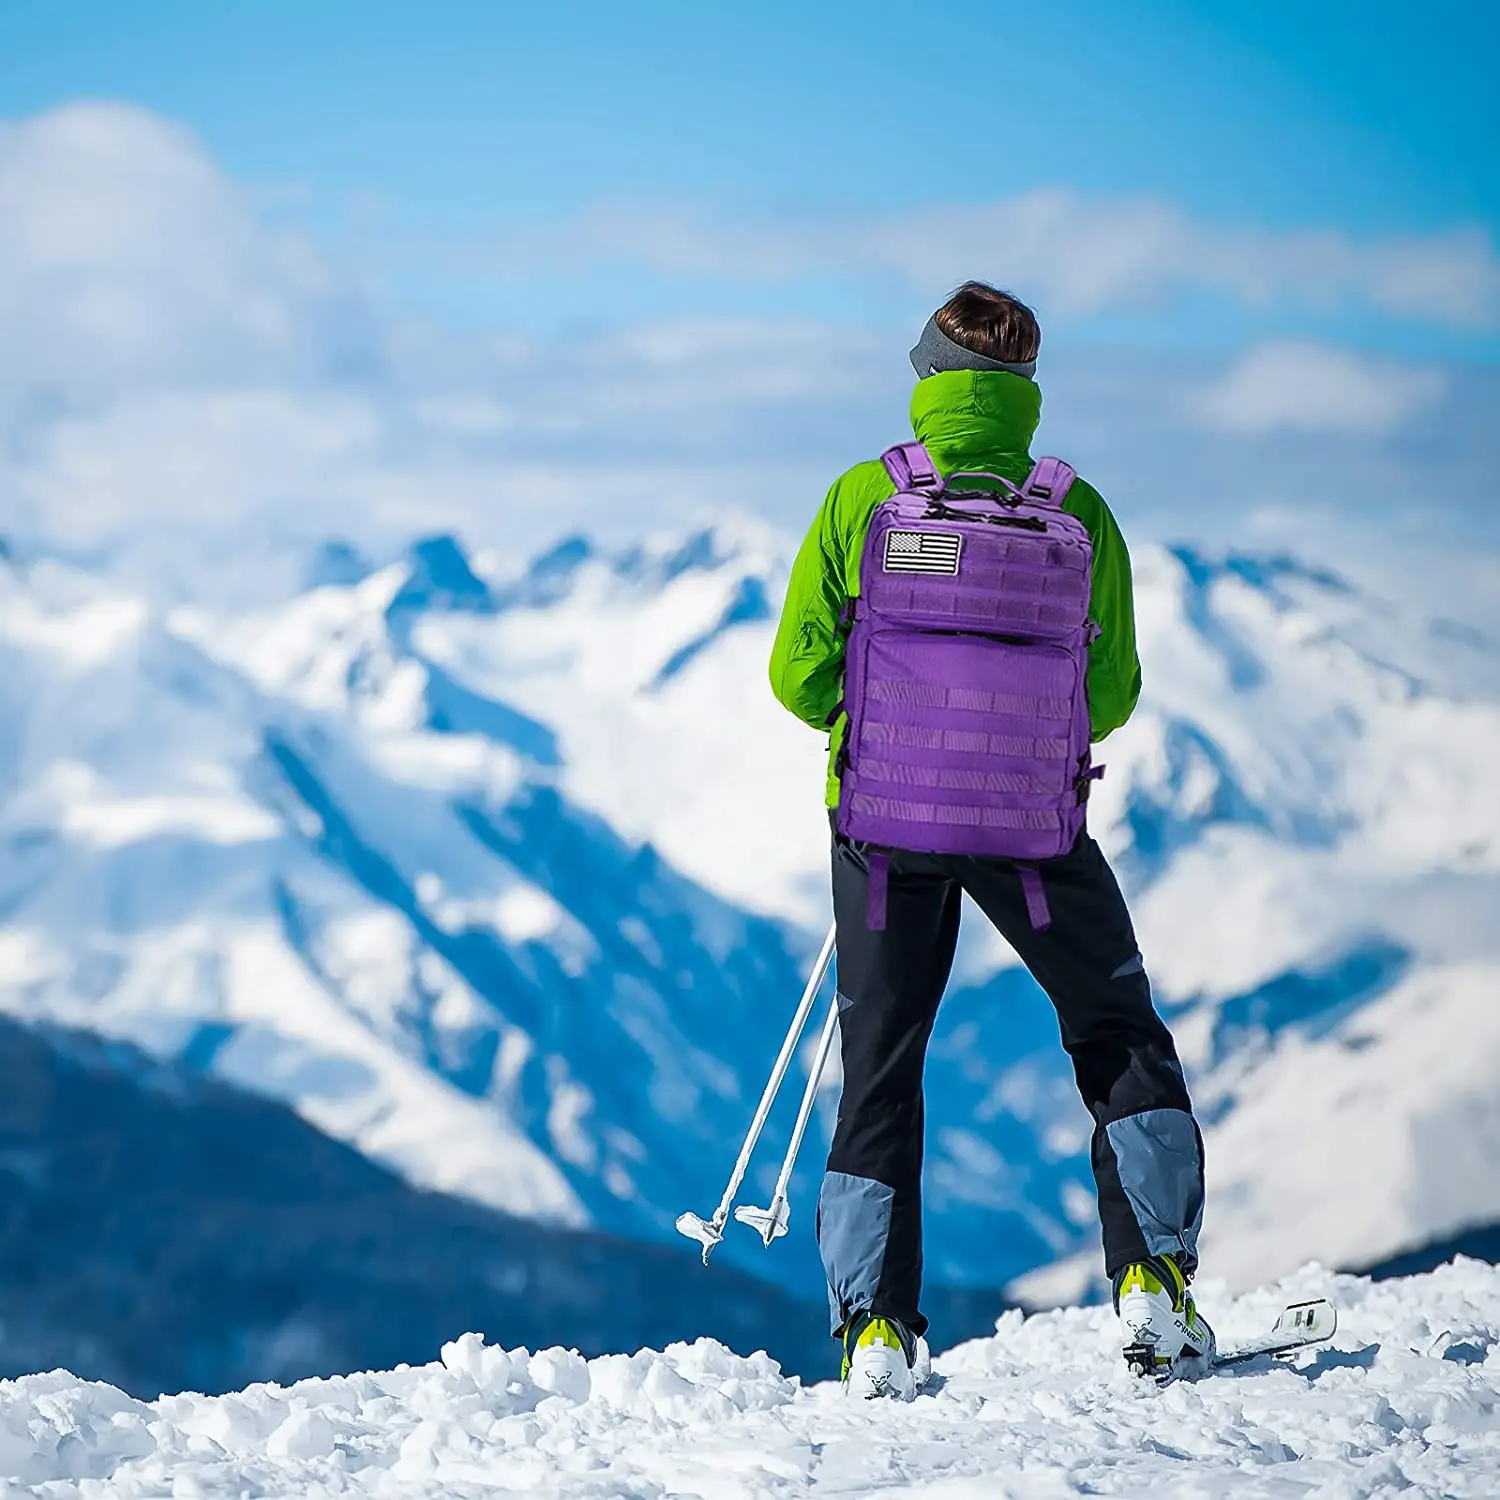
977	419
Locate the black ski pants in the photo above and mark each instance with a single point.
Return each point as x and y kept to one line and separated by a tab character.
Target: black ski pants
1147	1151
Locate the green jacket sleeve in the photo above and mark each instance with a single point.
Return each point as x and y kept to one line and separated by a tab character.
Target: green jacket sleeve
1114	679
807	660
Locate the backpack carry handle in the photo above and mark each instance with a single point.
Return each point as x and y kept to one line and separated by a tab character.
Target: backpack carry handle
1009	495
948	506
912	471
1047	484
983	474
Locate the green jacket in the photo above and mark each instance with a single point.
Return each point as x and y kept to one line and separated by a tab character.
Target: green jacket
969	420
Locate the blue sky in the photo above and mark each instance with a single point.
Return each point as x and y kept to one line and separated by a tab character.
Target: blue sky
1374	115
412	136
516	269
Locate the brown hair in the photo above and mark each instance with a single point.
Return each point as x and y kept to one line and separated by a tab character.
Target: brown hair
990	322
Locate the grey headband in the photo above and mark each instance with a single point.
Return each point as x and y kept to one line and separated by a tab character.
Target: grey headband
936	352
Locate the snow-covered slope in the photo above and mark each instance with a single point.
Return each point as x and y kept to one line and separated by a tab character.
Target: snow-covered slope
1306	818
504	873
164	1230
1405	1401
282	848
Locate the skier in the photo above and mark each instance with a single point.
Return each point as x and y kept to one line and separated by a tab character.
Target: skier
921	806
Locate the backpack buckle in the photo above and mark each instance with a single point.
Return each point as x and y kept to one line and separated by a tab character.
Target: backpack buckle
1083	782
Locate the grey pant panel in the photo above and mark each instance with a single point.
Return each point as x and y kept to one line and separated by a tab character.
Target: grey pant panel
854	1227
1161	1173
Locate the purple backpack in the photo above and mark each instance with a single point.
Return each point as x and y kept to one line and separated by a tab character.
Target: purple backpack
964	674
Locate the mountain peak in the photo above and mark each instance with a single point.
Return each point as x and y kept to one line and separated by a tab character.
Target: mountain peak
550	575
336	564
1266	572
441	577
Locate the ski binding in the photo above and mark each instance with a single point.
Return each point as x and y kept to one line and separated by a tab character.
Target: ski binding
1300	1324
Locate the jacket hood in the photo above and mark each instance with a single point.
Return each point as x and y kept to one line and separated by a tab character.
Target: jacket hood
977	419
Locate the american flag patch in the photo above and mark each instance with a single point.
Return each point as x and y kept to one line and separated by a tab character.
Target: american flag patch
922	552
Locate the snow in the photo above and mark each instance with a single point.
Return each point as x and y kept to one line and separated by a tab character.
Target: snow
1406	1400
666	723
1400	1117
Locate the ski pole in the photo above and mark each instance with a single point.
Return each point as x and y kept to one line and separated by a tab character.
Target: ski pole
709	1232
772	1222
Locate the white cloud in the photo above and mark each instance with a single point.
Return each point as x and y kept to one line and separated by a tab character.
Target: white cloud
1296	386
126	256
619	433
171	363
1073	254
170	360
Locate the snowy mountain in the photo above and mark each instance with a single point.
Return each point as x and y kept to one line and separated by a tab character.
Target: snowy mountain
505	874
1404	1401
164	1231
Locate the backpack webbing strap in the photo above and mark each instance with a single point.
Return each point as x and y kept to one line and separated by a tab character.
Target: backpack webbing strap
1036	897
1049	482
878	880
911	468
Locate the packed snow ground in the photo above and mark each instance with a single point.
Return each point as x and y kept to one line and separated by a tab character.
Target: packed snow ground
1405	1400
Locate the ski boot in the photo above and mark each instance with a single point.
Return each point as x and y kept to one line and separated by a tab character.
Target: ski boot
1162	1331
883	1357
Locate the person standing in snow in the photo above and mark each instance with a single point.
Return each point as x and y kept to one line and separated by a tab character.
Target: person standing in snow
934	759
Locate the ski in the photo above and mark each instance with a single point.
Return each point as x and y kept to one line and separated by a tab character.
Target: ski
1300	1324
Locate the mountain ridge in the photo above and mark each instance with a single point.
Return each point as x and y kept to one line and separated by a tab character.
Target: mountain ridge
504	872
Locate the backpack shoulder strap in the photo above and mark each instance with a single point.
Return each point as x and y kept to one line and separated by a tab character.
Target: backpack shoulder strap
1049	482
911	468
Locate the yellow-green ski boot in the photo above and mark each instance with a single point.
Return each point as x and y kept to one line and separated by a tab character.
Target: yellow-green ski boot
1161	1331
883	1357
